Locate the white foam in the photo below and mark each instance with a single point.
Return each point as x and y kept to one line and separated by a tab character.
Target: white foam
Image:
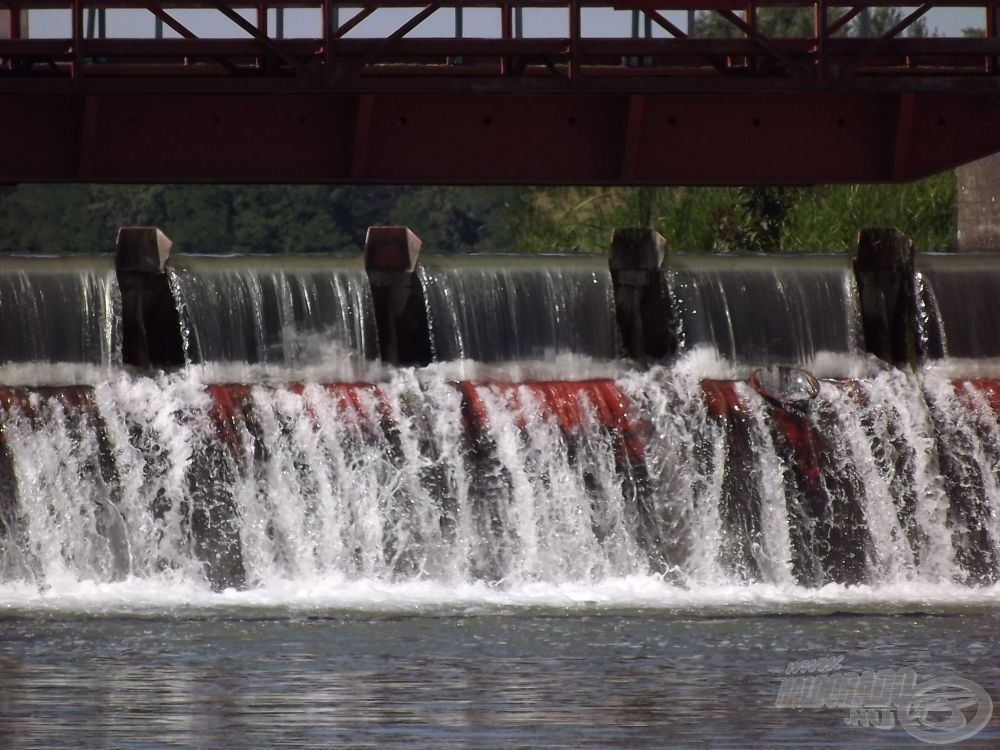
954	368
333	594
34	374
559	366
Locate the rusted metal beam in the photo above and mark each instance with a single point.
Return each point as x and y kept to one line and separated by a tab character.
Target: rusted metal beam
875	46
256	34
535	110
574	138
665	24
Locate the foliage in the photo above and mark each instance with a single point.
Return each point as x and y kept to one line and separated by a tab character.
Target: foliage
827	218
824	218
786	22
301	219
249	218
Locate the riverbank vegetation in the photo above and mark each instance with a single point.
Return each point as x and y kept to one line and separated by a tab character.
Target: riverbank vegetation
302	219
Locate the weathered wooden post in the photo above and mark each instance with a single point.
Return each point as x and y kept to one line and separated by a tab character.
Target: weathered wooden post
884	270
641	307
391	255
151	328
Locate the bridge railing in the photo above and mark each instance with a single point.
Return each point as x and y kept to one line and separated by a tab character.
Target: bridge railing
525	46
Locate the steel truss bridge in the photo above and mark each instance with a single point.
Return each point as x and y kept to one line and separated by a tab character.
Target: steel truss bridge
479	93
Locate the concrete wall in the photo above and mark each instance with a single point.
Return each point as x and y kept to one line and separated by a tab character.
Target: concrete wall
979	205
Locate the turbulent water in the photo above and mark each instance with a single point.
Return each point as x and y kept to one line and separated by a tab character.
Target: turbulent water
527	543
656	488
289	467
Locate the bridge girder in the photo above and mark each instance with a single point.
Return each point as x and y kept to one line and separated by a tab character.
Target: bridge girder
573	109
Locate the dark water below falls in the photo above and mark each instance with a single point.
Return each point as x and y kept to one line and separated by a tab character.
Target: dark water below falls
562	552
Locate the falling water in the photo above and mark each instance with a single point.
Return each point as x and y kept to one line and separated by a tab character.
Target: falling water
296	312
518	308
762	309
59	310
680	477
244	536
417	478
961	308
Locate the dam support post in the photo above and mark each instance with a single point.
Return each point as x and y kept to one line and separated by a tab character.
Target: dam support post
641	309
151	329
883	265
391	256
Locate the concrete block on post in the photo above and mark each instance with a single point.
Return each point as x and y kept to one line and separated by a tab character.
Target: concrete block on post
635	260
142	249
391	257
883	265
151	328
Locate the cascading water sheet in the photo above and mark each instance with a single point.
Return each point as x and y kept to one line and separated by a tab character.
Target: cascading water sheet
959	305
510	308
660	477
59	310
309	314
765	309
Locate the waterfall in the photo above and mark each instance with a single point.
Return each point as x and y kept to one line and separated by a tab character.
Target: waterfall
299	312
661	473
763	309
961	308
510	308
59	310
283	454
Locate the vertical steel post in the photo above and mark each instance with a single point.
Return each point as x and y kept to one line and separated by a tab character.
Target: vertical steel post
574	39
262	18
506	10
77	31
991	33
329	26
819	34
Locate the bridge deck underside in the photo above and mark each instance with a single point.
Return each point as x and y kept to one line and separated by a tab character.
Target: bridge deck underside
744	109
696	139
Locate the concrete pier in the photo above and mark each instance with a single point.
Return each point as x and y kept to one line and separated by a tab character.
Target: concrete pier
151	327
391	255
883	267
635	260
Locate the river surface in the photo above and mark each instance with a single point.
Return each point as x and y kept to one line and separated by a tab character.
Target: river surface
240	673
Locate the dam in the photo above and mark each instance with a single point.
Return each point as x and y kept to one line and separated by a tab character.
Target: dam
507	437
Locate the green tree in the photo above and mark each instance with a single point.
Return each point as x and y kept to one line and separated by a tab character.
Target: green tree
459	219
755	222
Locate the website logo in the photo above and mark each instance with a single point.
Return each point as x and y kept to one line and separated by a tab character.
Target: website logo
938	710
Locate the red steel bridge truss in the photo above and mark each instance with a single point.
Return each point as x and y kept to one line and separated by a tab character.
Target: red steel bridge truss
642	92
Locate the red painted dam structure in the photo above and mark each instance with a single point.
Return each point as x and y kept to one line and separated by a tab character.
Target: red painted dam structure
492	92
